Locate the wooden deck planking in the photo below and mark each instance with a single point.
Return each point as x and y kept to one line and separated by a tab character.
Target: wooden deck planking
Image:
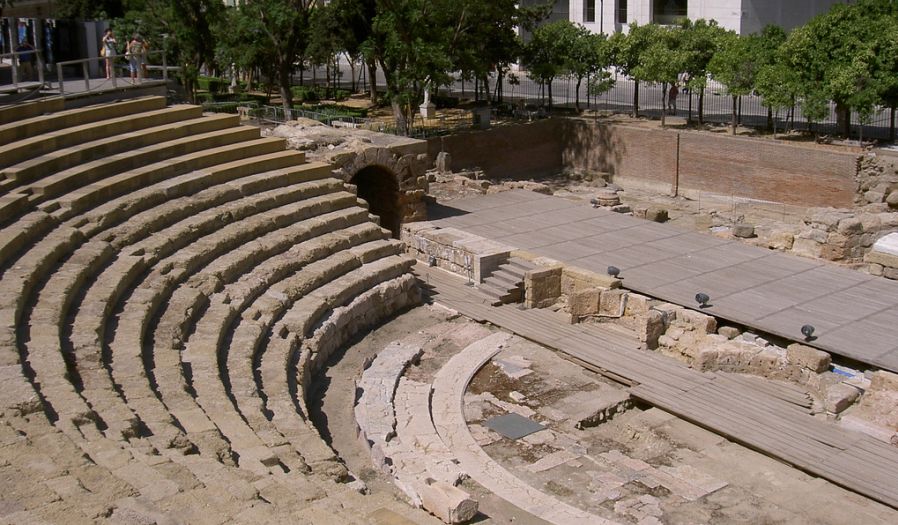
771	292
767	419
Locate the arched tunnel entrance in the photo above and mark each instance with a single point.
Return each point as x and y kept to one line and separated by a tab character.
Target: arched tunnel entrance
379	187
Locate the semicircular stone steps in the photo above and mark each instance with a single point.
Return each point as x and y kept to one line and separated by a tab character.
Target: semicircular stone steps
136	331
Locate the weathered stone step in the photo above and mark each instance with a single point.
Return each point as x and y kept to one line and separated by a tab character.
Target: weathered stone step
65	181
33	126
26	110
65	158
109	129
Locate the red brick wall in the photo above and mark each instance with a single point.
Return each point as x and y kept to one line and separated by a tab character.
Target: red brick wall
762	169
633	156
660	160
515	152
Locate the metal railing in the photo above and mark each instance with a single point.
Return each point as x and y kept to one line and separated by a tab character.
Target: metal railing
118	61
16	62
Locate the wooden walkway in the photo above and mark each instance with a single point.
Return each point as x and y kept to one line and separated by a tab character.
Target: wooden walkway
767	416
854	314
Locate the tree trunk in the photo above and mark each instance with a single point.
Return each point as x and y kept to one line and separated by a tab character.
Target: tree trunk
635	99
735	116
843	119
773	122
550	92
770	119
372	80
577	95
284	84
401	119
701	106
689	114
352	82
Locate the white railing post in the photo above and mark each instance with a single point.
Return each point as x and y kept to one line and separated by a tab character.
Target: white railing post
60	80
86	76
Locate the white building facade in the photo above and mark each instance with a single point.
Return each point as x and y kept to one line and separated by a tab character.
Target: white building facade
742	16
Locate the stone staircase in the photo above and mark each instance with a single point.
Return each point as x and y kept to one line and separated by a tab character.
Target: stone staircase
505	285
170	282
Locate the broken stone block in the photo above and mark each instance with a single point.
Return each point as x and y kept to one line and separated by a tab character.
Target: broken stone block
892	199
807	248
885	381
807	357
656	215
730	332
621	208
781	240
444	162
839	397
612	302
703	323
743	231
650	327
450	504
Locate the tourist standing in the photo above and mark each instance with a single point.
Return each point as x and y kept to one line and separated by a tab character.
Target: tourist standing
672	99
108	50
136	52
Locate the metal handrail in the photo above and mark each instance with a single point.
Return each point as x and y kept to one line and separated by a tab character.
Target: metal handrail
84	62
15	64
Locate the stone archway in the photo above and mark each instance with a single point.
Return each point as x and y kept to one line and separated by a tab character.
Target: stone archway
391	180
378	186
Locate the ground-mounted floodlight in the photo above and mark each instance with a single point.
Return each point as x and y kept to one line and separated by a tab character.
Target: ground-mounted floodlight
702	300
432	261
613	271
808	332
594	202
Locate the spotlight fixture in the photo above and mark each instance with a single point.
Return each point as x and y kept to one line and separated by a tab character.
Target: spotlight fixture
808	332
702	299
594	202
432	261
613	271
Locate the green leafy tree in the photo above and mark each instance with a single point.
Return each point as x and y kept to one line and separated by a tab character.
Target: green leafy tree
590	56
549	53
661	61
699	41
627	50
776	83
89	9
239	41
735	67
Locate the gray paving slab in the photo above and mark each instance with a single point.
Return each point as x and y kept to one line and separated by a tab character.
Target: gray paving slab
855	314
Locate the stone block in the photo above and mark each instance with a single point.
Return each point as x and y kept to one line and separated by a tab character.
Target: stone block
890	273
875	270
703	323
807	357
637	304
807	248
743	231
657	215
542	287
584	302
781	240
612	303
884	381
850	226
650	327
729	332
874	197
892	199
705	359
883	259
450	504
839	397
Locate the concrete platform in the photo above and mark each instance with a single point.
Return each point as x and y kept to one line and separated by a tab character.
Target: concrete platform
853	313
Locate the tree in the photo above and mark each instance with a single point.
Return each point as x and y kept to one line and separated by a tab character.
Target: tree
661	61
240	42
699	41
834	57
548	55
189	23
734	66
777	86
590	55
89	9
627	50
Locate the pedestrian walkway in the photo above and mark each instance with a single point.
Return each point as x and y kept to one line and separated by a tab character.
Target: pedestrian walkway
764	420
854	314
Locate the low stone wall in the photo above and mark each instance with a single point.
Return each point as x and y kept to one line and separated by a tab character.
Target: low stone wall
454	250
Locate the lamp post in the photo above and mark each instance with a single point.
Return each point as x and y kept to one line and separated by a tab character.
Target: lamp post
602	16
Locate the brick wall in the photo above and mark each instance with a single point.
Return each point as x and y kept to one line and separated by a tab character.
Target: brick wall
506	152
665	161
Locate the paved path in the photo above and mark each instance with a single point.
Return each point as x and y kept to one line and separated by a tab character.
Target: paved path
855	314
762	419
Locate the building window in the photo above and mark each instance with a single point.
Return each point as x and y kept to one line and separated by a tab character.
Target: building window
667	12
621	11
589	10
